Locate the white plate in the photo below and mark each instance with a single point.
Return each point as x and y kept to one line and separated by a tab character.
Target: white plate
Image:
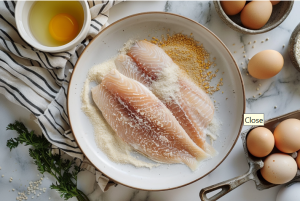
229	111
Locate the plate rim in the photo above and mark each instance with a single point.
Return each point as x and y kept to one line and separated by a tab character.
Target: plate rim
236	66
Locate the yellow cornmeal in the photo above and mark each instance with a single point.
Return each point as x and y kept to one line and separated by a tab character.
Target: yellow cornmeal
192	57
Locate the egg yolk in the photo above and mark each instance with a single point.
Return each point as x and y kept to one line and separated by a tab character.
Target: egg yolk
63	27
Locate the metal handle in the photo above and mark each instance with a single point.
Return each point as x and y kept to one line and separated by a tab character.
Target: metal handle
226	186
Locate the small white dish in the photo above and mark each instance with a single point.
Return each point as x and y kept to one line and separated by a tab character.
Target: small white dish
21	16
230	99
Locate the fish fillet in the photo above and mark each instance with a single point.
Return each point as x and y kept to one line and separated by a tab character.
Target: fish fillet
192	107
144	122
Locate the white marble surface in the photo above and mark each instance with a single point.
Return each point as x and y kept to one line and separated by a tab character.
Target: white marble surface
281	91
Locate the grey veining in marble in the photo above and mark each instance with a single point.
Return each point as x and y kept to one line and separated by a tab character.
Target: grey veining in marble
281	91
196	10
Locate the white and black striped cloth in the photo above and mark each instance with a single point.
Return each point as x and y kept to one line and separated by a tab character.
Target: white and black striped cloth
38	81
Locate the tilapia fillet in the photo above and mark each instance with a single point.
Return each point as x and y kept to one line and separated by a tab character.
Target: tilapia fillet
144	122
192	107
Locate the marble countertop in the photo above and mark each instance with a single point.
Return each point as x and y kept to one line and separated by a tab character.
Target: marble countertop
278	95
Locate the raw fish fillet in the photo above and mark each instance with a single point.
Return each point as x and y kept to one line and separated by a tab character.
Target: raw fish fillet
192	107
144	122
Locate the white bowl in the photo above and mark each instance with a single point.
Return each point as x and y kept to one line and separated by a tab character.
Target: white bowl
231	103
21	15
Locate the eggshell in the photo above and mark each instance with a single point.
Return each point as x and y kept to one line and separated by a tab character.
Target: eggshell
289	192
265	64
256	14
274	2
232	7
298	159
287	136
279	168
260	142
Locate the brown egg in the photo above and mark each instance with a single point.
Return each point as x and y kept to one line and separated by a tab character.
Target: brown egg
274	2
279	168
256	14
260	142
298	159
232	7
287	136
265	64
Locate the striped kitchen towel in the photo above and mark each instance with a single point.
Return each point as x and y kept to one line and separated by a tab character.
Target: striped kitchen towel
38	81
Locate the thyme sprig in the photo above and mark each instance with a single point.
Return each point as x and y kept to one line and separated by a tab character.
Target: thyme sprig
65	171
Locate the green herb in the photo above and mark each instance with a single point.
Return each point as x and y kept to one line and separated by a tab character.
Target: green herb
64	171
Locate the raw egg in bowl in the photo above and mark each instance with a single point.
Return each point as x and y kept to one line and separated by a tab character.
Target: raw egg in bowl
53	26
